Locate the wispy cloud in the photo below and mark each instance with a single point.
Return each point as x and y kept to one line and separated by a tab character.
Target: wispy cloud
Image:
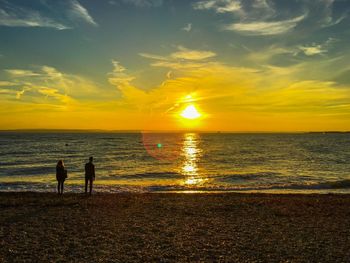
60	15
20	17
181	59
328	18
20	93
244	10
317	49
312	50
21	73
265	28
264	55
153	56
77	11
189	54
45	82
269	17
6	84
187	27
5	91
54	93
220	6
119	76
182	53
39	82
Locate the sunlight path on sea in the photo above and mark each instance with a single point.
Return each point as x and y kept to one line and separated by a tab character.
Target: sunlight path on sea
191	153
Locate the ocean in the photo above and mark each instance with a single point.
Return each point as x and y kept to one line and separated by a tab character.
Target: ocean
178	162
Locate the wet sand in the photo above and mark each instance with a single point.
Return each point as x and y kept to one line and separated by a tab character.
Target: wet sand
174	228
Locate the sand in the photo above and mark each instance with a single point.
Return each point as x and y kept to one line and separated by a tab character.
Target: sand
38	227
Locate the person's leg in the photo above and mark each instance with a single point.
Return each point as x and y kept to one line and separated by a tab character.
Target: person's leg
86	185
91	186
62	183
58	187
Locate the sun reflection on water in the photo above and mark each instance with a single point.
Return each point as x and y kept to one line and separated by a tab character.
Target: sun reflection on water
191	154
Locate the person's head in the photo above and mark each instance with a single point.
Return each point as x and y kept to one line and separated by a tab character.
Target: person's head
60	163
91	159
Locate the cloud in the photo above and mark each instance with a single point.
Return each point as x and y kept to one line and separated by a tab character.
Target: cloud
6	84
265	28
312	50
5	91
20	73
256	17
230	98
264	55
220	6
188	54
28	18
54	99
144	3
152	56
268	17
244	10
54	93
118	76
40	81
182	58
316	49
79	12
46	85
187	28
59	15
19	93
328	18
256	99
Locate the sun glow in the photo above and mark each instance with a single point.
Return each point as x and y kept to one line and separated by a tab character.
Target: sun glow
190	112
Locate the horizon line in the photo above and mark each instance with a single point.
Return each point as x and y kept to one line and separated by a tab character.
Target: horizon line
160	131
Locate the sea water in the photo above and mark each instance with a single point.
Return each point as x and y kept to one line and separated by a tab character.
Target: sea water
180	162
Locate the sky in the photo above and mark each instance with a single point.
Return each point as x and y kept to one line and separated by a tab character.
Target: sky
242	65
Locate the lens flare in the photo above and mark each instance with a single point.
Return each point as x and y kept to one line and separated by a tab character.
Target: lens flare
162	146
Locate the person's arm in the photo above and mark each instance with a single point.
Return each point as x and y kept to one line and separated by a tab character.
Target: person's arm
93	171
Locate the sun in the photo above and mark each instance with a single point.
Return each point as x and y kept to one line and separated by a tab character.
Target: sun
190	112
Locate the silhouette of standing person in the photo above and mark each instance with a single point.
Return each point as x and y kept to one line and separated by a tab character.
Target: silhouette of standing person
61	175
89	174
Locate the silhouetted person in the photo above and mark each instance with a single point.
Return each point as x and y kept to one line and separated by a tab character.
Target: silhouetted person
89	174
61	175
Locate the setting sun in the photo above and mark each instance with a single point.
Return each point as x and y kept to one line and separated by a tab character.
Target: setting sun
190	112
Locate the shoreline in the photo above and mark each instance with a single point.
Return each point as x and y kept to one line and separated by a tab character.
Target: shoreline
189	192
173	227
331	187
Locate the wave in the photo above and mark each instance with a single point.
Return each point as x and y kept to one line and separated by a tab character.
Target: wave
246	176
75	188
50	187
341	184
153	175
331	185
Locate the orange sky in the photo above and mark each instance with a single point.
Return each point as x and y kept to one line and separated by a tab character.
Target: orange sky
244	67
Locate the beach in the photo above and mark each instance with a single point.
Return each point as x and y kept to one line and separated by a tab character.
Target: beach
171	227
